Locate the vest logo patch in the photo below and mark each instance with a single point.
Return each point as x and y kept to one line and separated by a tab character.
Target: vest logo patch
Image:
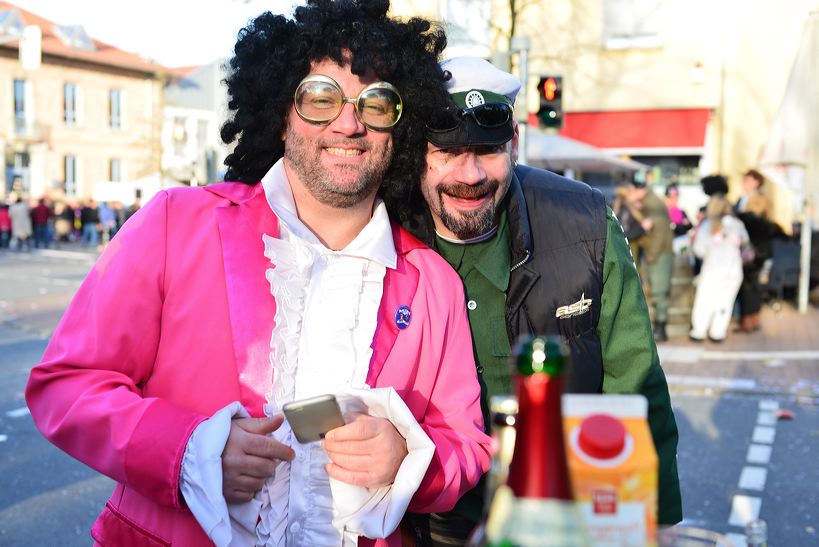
578	308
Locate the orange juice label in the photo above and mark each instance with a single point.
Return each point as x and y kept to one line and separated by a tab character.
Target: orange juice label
612	467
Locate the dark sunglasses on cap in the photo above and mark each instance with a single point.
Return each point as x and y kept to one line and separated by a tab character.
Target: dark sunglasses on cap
319	100
488	115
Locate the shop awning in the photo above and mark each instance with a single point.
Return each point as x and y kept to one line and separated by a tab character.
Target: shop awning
639	129
559	153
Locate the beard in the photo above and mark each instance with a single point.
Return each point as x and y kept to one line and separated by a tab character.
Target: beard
469	224
357	182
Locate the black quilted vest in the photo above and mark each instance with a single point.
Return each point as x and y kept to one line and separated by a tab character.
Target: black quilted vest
558	240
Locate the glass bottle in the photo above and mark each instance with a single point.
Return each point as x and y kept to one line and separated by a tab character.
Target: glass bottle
503	411
535	507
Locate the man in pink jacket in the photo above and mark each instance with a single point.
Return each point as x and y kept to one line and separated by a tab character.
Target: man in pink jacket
215	306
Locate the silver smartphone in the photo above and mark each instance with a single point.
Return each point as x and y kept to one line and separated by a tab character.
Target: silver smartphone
310	419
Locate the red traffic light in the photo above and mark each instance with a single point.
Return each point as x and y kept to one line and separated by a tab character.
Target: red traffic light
549	89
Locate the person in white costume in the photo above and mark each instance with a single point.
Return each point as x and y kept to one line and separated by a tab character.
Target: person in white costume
215	306
719	241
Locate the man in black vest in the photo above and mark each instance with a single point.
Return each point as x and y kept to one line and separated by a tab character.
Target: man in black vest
538	253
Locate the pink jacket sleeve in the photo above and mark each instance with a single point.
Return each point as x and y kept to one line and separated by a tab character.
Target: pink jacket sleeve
86	396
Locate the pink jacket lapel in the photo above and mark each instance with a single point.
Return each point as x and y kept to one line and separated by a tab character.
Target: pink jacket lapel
252	307
400	285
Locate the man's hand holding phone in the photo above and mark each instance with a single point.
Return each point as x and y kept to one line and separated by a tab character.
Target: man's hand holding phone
250	456
365	452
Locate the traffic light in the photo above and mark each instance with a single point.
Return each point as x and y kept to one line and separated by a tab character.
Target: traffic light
550	90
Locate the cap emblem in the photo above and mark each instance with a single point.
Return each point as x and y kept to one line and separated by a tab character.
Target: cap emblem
473	99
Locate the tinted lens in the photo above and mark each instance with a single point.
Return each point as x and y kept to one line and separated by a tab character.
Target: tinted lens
445	120
318	101
379	107
492	115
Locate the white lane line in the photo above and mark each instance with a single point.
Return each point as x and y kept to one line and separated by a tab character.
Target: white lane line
736	540
687	354
768	405
77	255
764	435
759	453
753	478
807	355
710	381
678	354
766	417
3	438
18	412
744	509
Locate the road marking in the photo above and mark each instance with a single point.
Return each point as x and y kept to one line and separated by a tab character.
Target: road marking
18	412
766	417
686	354
59	282
763	434
3	438
753	478
768	405
807	355
737	540
679	354
759	453
709	381
744	509
76	255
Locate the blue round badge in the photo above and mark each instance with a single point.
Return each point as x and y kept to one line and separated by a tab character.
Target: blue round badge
402	317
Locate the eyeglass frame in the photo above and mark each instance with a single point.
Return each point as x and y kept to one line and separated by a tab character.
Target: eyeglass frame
459	114
352	100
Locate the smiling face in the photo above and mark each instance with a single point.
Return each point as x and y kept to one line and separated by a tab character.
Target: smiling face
465	186
341	163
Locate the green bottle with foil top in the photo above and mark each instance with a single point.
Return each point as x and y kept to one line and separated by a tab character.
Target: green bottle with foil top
535	507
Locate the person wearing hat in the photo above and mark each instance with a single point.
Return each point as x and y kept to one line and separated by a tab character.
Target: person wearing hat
655	249
538	254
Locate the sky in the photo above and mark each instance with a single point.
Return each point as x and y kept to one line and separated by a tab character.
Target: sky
172	32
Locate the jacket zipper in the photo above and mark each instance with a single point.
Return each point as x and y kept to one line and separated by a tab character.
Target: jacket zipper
521	263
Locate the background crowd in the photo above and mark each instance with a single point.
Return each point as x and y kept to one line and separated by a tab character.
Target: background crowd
730	247
42	223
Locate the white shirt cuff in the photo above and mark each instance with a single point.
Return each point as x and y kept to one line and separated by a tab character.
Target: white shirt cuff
201	477
376	513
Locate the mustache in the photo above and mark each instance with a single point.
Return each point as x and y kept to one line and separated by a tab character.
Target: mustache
468	191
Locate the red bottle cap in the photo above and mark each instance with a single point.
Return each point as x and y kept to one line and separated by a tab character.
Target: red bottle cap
602	436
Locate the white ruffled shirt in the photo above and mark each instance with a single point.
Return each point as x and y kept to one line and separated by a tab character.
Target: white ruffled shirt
326	312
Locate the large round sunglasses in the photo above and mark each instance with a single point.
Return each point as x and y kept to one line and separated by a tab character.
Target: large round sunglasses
488	115
319	100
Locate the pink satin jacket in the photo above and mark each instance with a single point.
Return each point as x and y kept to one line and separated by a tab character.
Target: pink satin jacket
174	322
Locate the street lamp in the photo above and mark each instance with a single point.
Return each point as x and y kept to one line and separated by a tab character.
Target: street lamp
520	45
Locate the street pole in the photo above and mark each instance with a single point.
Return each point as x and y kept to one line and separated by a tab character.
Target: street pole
811	182
520	44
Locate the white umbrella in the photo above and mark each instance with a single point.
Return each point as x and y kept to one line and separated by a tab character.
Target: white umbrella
791	155
554	152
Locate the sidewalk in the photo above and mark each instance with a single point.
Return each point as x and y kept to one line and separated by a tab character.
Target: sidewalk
66	250
781	358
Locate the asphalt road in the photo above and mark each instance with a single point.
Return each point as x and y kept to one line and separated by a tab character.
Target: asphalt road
48	498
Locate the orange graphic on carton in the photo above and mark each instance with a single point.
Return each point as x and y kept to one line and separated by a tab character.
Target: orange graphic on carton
613	467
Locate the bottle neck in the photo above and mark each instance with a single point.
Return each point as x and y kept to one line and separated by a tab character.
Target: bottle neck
539	469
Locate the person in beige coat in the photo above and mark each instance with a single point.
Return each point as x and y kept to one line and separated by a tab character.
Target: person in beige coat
21	228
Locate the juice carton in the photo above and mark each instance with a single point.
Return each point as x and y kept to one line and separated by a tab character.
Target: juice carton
613	467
